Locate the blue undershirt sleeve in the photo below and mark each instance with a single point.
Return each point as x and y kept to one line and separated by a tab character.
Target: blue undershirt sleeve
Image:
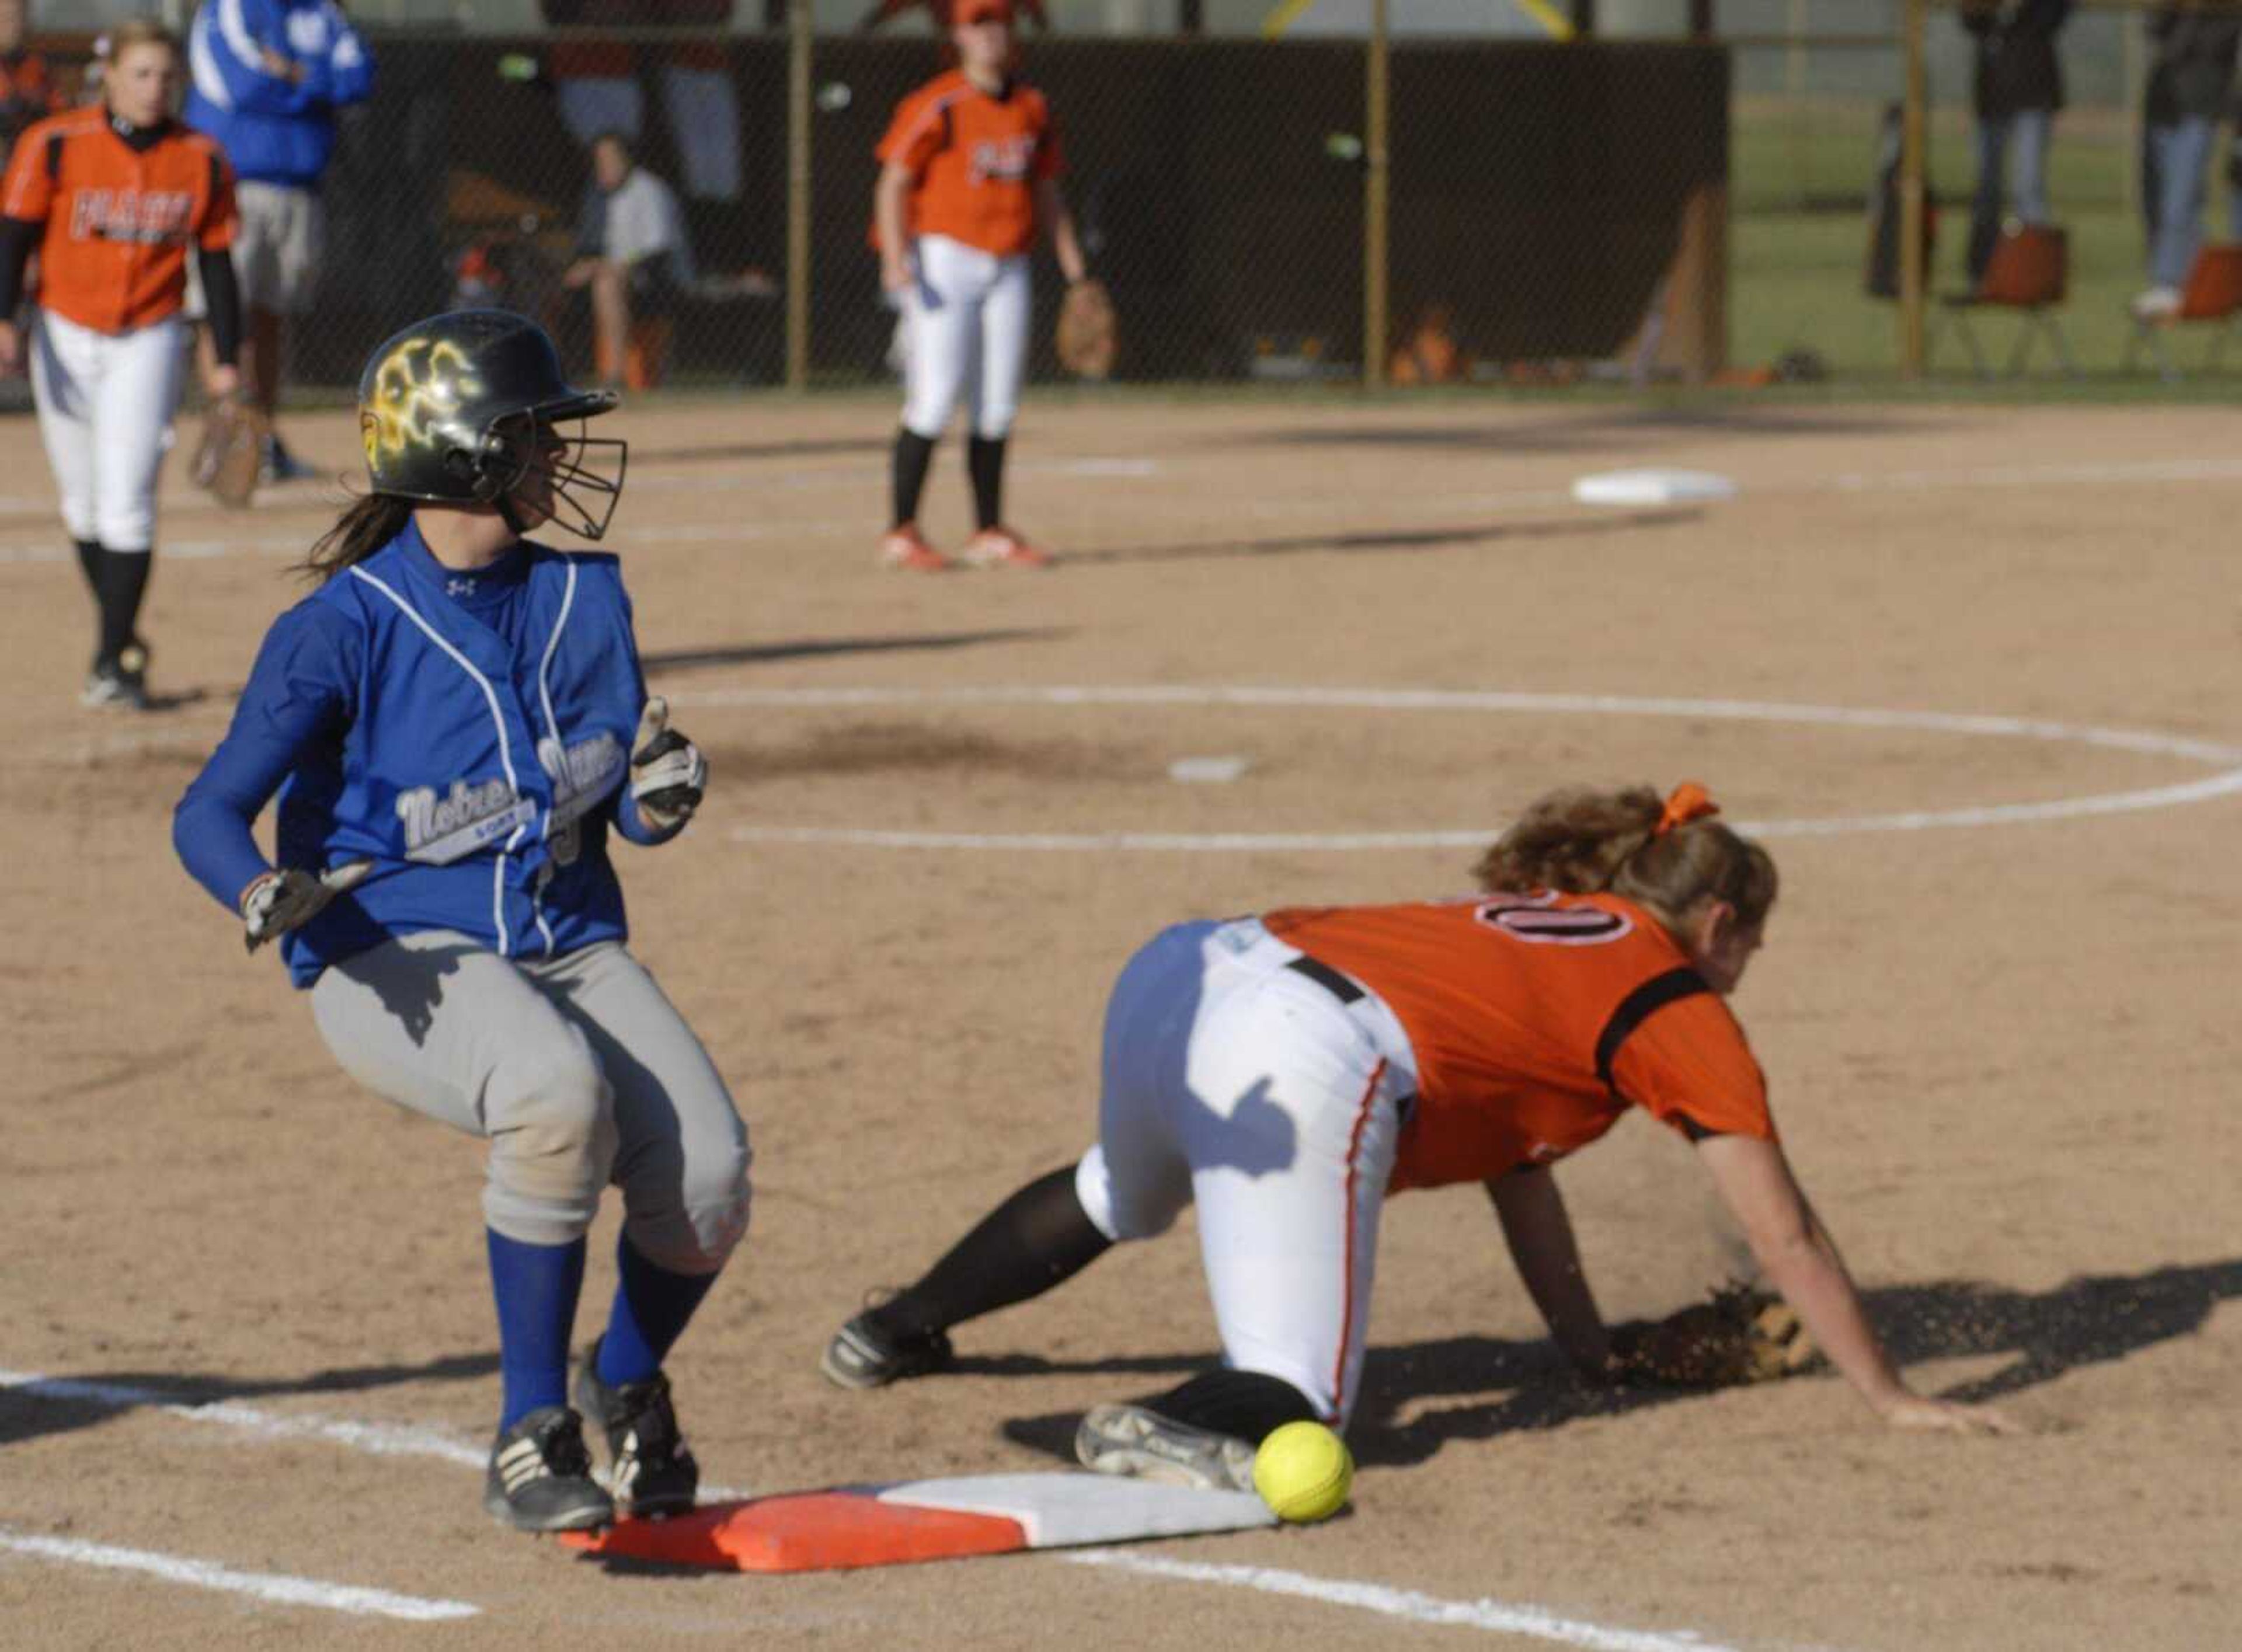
301	688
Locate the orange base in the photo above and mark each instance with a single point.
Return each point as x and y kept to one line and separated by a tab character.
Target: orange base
806	1532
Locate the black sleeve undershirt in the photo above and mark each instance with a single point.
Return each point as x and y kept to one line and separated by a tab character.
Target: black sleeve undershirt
221	296
221	303
17	237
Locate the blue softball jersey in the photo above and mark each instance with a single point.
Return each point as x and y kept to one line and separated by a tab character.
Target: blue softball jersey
468	732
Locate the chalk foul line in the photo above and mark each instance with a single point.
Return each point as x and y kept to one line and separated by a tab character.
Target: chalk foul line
392	1440
1405	1604
276	1586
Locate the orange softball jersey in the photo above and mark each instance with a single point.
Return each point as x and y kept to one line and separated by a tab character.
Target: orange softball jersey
975	159
119	221
1537	1020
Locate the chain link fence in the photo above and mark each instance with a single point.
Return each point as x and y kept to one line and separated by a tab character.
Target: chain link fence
1632	205
1540	198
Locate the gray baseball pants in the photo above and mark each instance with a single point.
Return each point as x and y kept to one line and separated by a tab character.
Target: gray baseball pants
576	1069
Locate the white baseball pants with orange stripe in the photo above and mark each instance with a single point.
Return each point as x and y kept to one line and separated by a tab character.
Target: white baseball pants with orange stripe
966	318
1237	1083
105	402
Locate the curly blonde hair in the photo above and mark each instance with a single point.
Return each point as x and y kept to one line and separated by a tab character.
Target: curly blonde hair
1582	841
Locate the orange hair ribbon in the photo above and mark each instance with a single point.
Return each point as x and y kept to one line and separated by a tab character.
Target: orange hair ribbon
1687	802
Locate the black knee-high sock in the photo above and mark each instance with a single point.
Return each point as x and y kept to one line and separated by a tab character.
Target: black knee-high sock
913	452
124	581
985	459
89	563
1035	1240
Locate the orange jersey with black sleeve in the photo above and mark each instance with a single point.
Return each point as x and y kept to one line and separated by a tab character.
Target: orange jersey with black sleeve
119	220
1537	1020
975	160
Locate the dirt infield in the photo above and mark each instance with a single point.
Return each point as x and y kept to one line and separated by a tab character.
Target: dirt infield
1996	1010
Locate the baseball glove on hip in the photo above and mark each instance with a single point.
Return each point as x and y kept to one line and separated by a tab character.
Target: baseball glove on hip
1738	1336
1089	333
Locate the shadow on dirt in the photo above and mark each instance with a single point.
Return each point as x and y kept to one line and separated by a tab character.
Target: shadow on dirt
1498	1386
719	452
819	647
1414	539
59	1404
1566	433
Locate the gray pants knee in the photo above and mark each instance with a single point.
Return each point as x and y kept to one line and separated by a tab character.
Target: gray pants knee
576	1069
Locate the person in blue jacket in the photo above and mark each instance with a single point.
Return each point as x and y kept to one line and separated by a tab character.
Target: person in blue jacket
267	77
455	721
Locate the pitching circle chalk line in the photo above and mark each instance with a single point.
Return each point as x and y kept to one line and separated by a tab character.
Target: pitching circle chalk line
2227	759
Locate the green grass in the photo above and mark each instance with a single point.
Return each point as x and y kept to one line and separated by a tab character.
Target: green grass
1797	251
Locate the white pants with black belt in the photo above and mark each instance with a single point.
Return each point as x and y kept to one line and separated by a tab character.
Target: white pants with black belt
1234	1081
105	401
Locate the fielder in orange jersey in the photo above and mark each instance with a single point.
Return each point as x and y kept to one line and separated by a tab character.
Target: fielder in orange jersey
28	91
1285	1072
968	178
113	198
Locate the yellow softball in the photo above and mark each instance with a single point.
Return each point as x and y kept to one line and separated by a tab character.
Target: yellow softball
1303	1472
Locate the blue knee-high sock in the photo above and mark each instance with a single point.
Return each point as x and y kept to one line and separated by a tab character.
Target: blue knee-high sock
536	1287
651	1309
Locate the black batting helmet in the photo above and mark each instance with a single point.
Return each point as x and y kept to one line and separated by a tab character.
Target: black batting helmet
455	409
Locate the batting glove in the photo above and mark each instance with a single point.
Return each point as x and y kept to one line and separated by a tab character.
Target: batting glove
668	775
282	901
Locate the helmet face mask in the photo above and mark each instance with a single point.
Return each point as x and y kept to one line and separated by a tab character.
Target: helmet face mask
534	471
467	408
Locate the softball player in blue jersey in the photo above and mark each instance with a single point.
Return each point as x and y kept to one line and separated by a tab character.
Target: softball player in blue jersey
454	721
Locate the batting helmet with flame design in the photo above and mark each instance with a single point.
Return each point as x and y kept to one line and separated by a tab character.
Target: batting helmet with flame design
458	408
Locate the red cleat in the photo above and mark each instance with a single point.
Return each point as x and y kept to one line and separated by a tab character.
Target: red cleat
903	548
1001	547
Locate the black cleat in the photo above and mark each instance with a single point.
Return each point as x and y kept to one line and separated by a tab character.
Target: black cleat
118	682
861	1355
1138	1442
649	1470
541	1476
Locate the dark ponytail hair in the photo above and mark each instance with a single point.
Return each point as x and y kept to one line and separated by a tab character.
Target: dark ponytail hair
1582	841
371	522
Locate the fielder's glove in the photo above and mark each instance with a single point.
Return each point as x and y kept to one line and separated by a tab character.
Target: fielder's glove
668	775
1738	1336
230	450
285	900
1089	336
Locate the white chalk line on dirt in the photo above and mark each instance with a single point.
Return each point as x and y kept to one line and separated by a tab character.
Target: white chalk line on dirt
2146	741
276	1586
389	1440
46	550
375	1439
1407	1604
380	1439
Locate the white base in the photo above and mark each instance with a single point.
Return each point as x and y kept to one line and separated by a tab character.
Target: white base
1059	1510
1652	487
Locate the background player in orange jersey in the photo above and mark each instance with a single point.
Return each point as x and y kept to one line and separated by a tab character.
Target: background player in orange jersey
969	177
1284	1071
113	198
27	88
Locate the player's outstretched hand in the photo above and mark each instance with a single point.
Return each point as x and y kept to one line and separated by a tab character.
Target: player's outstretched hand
668	775
11	349
1926	1416
285	900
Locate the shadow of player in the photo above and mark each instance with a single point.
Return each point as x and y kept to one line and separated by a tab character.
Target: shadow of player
1416	539
62	1404
1501	1386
